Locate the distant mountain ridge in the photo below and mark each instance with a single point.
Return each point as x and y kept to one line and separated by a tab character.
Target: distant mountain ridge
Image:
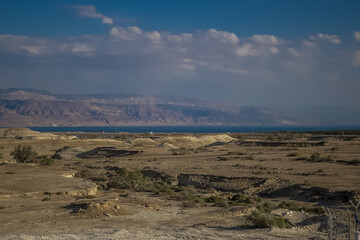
29	107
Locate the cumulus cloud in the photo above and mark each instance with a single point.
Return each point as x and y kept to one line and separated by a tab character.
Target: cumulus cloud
357	36
273	50
82	48
89	11
357	58
245	50
225	37
326	37
308	44
266	39
202	62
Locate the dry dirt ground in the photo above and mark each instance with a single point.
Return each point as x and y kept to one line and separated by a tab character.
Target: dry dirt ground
178	186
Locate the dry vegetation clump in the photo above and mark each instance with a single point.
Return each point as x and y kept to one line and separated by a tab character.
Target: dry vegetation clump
182	151
128	179
96	209
294	154
25	154
267	220
298	207
316	157
92	175
218	201
241	199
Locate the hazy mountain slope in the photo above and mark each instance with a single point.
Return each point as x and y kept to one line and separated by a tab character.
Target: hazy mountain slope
27	107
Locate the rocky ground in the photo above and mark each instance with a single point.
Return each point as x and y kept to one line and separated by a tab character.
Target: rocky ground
178	186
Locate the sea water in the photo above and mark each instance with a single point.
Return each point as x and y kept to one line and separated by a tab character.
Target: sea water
192	129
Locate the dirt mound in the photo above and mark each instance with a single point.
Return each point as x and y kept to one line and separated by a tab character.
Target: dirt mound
191	141
106	152
139	142
27	134
67	152
96	209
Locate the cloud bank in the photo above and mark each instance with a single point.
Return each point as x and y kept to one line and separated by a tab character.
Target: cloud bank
212	64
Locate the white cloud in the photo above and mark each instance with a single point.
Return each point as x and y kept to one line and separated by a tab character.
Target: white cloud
274	50
357	36
134	29
308	44
326	37
89	11
225	37
293	52
266	39
154	36
357	58
122	33
82	48
245	50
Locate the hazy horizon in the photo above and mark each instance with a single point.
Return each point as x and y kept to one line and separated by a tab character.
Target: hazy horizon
255	53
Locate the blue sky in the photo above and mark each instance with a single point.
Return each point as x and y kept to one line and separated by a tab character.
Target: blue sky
272	53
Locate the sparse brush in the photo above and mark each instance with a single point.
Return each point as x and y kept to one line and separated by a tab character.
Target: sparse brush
294	154
217	200
128	179
265	220
24	154
46	161
298	207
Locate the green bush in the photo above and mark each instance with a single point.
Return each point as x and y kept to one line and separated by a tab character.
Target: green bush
46	161
294	154
355	162
264	220
128	179
217	200
162	188
297	207
24	154
265	207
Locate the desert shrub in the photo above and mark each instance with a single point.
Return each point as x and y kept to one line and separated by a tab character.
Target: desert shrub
294	154
265	207
24	154
128	179
46	161
334	149
236	153
298	207
182	151
241	199
259	167
354	162
163	188
1	155
264	220
315	157
217	200
200	149
220	158
187	196
93	176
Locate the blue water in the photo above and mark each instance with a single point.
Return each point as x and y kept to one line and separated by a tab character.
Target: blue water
191	129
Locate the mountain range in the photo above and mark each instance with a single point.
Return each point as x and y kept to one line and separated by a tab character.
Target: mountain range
29	107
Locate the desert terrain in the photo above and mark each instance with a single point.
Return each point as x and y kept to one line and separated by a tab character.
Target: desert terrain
178	186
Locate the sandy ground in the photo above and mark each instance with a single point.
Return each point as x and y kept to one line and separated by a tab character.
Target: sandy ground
74	198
